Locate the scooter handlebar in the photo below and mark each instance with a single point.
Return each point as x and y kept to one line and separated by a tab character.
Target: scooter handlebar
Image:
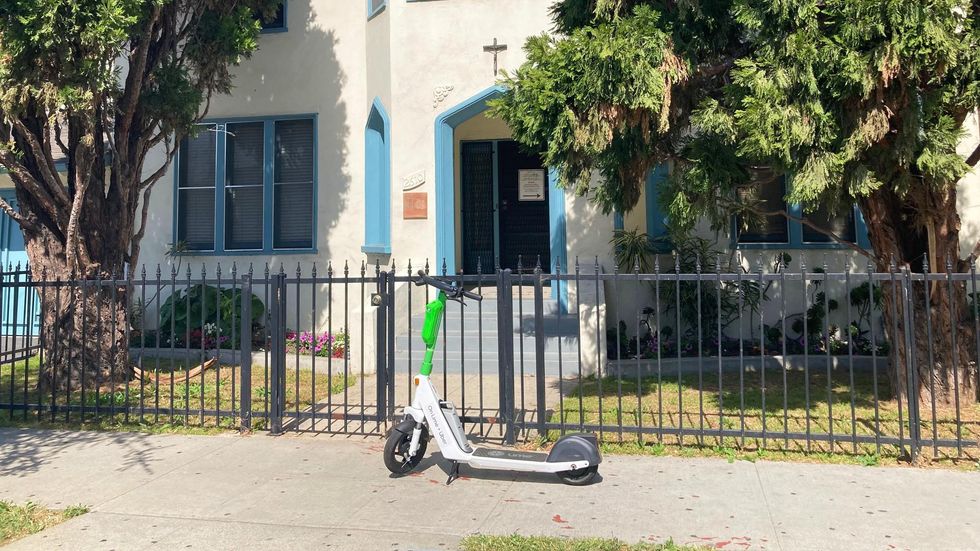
451	290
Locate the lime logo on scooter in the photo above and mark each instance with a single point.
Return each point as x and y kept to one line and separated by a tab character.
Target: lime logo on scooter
437	426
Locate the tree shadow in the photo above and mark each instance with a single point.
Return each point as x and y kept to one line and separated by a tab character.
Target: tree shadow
26	451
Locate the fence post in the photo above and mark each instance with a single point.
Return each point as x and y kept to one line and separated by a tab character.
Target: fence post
390	305
278	353
505	340
246	354
381	345
911	375
539	371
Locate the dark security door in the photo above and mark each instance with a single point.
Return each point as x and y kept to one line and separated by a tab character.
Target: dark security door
477	206
525	227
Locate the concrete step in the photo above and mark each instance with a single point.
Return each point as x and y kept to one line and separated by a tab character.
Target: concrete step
489	342
552	368
489	308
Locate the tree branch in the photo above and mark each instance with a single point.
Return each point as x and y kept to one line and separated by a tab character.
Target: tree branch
84	156
835	238
17	217
137	74
54	184
26	179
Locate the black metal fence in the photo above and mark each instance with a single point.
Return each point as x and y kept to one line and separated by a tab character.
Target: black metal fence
800	361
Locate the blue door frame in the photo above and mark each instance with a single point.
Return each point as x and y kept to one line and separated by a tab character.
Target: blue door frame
445	174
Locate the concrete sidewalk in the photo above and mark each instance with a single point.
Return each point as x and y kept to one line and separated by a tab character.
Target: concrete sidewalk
259	492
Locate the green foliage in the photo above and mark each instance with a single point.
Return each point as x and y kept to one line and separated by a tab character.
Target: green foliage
633	249
207	313
62	54
706	302
869	460
860	100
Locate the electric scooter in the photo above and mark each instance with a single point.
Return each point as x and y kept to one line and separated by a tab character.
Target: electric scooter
574	458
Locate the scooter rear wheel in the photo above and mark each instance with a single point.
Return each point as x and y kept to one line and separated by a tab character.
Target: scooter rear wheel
396	451
579	477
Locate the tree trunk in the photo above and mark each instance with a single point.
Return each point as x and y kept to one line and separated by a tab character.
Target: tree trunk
84	323
942	341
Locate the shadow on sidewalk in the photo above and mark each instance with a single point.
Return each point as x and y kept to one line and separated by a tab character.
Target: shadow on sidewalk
27	451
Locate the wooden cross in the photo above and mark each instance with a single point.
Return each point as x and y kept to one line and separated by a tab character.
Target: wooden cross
495	49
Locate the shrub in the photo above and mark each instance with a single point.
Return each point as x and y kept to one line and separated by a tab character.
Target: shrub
209	315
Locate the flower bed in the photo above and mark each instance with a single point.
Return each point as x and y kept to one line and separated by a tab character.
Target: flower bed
317	344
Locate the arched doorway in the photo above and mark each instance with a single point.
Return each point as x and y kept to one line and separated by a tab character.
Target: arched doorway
512	200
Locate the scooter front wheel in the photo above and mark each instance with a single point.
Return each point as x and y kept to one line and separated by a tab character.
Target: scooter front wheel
579	477
396	451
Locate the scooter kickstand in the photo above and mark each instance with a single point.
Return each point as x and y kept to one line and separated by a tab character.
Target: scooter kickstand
453	473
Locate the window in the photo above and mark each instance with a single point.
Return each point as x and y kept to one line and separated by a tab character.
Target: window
656	219
769	190
276	22
195	193
841	224
248	186
377	182
374	7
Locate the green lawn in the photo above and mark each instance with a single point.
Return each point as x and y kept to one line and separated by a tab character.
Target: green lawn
740	404
183	400
536	543
18	521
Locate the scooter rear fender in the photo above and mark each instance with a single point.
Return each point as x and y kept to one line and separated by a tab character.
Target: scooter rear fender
576	447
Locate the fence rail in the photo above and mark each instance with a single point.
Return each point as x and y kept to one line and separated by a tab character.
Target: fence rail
811	360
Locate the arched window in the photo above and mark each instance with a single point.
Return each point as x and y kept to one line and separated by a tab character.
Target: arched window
377	182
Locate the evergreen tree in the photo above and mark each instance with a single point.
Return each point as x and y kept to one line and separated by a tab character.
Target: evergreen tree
104	85
861	101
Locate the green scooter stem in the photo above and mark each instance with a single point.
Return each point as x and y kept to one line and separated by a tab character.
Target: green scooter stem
430	330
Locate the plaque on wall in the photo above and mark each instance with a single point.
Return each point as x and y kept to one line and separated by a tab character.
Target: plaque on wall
531	185
415	205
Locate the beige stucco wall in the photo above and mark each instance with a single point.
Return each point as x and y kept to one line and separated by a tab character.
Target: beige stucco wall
435	46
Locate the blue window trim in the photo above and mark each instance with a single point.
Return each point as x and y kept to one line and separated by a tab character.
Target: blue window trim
285	21
656	229
371	14
380	201
268	187
796	233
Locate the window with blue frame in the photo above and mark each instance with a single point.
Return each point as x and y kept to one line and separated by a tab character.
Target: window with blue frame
769	190
248	186
274	22
374	7
656	218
